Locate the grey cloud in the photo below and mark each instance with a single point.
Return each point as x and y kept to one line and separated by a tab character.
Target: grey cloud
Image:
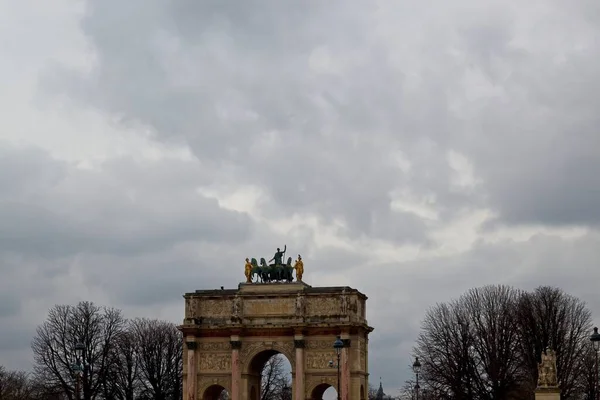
240	89
25	170
128	209
312	113
10	303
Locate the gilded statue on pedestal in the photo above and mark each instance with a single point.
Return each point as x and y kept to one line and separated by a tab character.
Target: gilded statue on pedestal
248	271
299	267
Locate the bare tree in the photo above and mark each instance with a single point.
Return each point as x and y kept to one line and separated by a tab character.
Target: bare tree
498	372
159	355
124	380
487	344
54	343
548	317
275	380
15	385
468	347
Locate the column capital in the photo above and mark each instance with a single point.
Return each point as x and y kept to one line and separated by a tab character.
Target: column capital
299	343
236	344
191	344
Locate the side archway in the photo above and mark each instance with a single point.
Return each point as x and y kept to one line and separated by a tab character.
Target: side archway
323	391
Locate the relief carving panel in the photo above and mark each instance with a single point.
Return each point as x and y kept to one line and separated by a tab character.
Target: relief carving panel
215	308
320	359
323	306
269	307
319	344
215	362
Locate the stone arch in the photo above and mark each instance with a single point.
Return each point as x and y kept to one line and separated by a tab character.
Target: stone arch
254	366
212	392
317	392
270	350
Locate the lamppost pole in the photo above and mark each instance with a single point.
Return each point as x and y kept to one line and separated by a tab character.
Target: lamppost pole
78	367
595	339
416	369
338	345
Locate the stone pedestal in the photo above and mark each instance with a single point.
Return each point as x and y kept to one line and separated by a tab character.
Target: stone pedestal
547	394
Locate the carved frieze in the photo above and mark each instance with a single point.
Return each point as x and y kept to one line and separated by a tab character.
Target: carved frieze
214	346
269	306
215	308
319	306
320	360
319	344
215	362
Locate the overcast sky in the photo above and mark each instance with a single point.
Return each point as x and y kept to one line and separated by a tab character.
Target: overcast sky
409	149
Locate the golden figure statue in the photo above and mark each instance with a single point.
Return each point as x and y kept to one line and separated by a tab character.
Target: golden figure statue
299	267
248	271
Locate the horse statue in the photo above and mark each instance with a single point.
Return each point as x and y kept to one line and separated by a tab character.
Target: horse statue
287	273
266	271
256	270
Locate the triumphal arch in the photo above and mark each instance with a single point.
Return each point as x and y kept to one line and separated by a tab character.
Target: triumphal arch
229	334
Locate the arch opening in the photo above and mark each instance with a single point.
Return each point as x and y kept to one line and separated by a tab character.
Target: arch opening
324	391
270	376
215	392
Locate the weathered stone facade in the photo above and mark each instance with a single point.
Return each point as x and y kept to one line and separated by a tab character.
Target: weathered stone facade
230	333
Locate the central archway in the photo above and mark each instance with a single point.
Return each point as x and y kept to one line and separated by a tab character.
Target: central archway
269	375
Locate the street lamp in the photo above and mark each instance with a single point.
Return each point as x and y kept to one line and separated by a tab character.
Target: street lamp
595	339
416	369
78	368
338	345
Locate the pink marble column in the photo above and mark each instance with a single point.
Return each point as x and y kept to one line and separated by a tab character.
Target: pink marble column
299	377
192	378
345	371
236	371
